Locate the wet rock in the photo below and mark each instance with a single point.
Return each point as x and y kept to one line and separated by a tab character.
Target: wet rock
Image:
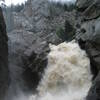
4	73
89	31
94	93
88	36
94	54
35	61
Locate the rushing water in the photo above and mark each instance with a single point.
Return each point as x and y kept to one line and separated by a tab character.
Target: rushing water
67	76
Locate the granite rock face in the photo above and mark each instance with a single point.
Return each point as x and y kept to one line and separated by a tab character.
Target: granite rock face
35	61
94	93
93	11
88	36
4	73
29	43
83	4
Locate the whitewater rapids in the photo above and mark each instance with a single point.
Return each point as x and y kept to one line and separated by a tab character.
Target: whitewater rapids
67	76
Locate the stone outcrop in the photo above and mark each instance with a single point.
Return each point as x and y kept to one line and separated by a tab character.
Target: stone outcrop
83	4
88	36
19	42
93	11
34	64
94	93
4	73
28	43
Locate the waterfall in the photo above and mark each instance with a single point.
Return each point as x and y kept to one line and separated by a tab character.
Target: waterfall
67	76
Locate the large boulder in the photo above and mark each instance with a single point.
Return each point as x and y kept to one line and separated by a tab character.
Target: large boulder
35	61
4	73
94	93
90	31
93	50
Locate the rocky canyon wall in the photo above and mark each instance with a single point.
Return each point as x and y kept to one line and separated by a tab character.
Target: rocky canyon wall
4	79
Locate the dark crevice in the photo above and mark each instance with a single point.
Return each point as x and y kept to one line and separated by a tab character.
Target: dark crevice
94	69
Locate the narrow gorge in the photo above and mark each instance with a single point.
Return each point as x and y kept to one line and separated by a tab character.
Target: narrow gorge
50	50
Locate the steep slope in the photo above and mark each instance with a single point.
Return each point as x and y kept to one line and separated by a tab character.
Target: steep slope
4	73
89	38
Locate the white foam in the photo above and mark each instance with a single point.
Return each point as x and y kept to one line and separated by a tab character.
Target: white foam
67	76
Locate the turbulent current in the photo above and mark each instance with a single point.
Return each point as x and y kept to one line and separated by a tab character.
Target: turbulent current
67	76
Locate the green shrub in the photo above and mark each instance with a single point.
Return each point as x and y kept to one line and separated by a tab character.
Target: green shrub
65	35
60	33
